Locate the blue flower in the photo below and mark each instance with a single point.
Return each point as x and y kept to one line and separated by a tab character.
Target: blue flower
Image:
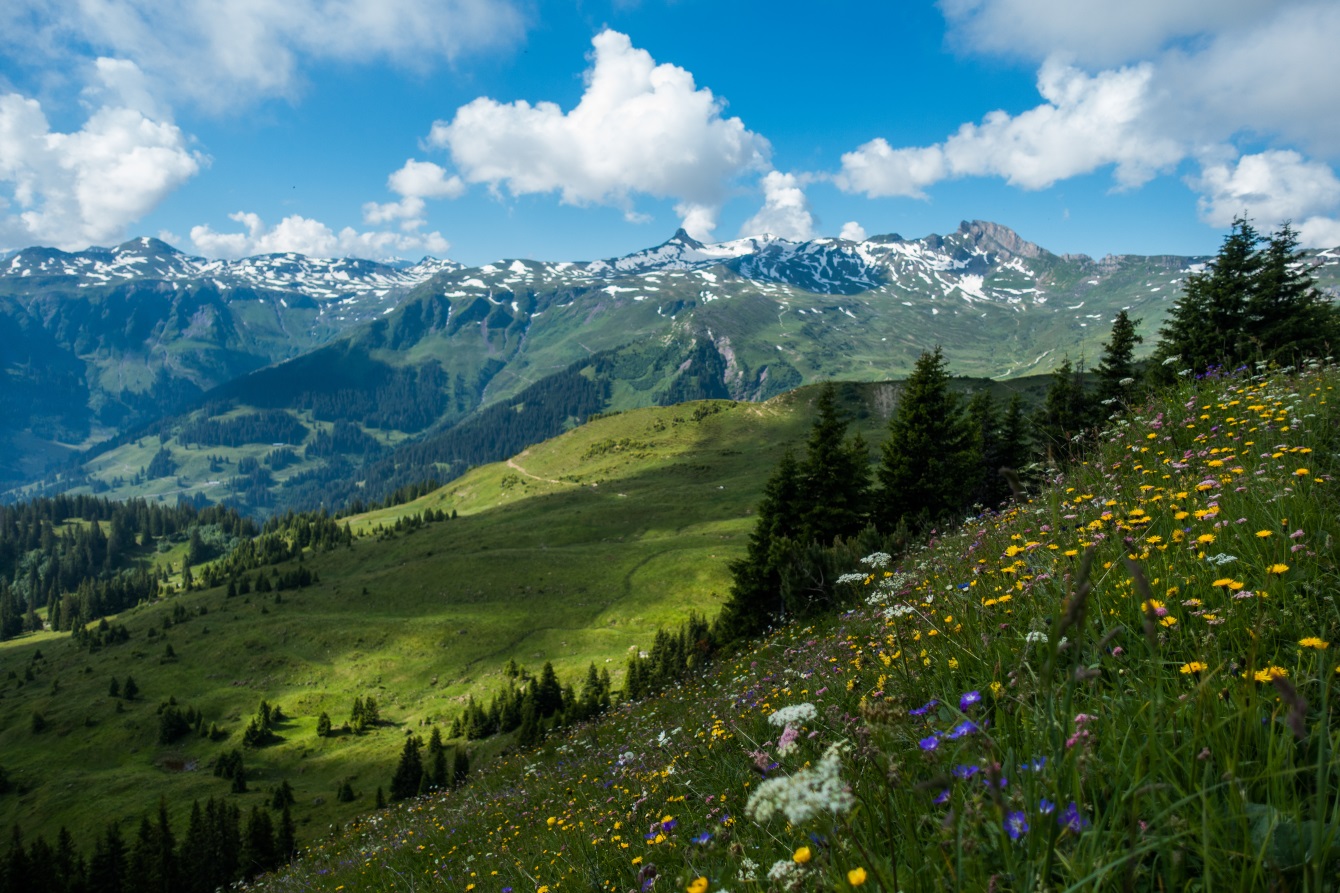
703	838
967	727
966	771
1046	807
929	743
922	711
1071	819
1034	765
670	825
968	699
941	798
1016	825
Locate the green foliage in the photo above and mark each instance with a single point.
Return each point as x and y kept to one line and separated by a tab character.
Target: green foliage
928	465
1250	305
408	775
1068	415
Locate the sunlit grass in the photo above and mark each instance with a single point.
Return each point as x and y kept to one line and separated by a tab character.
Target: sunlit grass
1125	683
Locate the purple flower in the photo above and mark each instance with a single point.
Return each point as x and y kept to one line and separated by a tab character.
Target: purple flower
1071	820
968	699
1046	807
703	838
1034	765
966	771
922	711
1016	825
941	798
670	825
967	727
929	743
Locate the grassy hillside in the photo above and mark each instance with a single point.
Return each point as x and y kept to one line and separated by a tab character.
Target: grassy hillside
573	552
1127	682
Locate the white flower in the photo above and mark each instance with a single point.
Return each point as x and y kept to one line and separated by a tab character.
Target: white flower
793	715
805	794
877	559
850	578
898	611
748	870
786	874
1036	637
1221	558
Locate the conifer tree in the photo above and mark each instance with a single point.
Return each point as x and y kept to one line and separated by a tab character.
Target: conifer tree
323	725
1287	319
755	597
437	771
460	766
405	780
1117	382
1067	413
109	864
833	480
1206	326
928	458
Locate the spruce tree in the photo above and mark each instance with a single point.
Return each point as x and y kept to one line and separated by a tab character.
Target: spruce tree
437	761
833	480
405	780
1206	327
1287	319
755	595
1067	413
928	459
1117	382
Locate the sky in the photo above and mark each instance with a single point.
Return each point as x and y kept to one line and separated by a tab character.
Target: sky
487	129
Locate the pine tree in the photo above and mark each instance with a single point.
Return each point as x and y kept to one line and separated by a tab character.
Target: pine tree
1287	319
755	597
405	780
460	766
258	843
108	867
437	771
984	424
549	695
1067	412
323	725
130	689
1016	446
1117	381
1206	327
928	458
833	480
286	838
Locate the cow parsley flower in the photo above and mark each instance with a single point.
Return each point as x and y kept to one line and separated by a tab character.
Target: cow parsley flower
793	715
804	794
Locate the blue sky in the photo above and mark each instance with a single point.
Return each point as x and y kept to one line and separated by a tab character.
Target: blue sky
483	129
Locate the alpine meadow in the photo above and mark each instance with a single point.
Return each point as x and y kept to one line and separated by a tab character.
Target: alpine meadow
516	446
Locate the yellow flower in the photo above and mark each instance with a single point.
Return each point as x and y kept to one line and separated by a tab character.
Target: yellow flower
550	821
1301	472
1277	568
1313	642
1265	533
1271	673
699	885
1169	621
1194	666
801	856
1205	538
856	877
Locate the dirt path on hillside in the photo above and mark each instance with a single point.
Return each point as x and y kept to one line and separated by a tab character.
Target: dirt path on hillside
511	463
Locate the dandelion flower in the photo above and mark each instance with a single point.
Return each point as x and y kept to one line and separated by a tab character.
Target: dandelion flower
1313	642
801	856
856	877
1265	533
1269	674
699	885
1194	666
1277	568
1301	472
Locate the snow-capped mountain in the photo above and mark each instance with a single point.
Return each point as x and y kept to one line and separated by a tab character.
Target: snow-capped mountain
149	259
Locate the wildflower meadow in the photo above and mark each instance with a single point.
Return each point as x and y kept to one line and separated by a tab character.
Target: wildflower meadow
1126	681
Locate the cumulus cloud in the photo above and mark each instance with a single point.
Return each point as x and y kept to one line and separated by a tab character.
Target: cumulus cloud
222	55
302	235
414	182
1319	232
785	212
1269	187
639	129
85	187
1087	122
1097	31
852	232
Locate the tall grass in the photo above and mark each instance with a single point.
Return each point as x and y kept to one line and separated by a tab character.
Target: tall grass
1125	683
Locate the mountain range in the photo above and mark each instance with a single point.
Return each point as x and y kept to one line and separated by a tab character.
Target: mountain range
389	373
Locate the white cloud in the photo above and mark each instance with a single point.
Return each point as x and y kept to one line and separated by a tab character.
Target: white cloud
1268	187
226	54
1087	122
1319	232
639	128
1097	31
85	187
785	212
303	235
414	182
852	232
